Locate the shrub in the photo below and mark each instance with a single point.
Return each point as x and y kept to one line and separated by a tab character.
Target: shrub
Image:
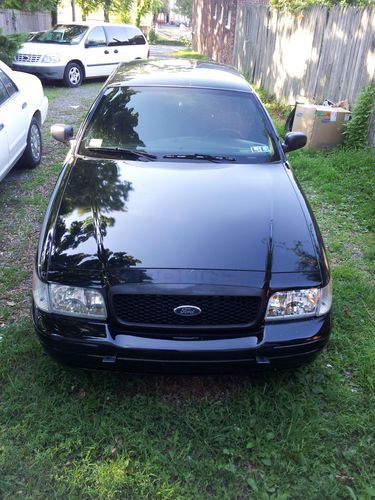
357	129
9	44
152	36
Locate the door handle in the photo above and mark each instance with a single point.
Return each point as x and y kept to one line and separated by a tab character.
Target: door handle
106	52
116	51
24	105
1	126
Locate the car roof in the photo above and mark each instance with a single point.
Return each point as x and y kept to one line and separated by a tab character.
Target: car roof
178	73
91	24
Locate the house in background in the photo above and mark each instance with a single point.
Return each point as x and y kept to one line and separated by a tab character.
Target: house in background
214	27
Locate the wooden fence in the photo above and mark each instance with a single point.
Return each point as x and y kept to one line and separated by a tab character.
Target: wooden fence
16	21
312	55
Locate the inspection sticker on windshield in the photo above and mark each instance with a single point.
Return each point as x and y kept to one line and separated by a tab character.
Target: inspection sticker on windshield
95	143
259	149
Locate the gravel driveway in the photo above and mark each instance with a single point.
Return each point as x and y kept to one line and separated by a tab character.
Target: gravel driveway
24	196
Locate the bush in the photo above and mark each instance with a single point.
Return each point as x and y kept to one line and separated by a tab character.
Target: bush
152	36
9	44
357	129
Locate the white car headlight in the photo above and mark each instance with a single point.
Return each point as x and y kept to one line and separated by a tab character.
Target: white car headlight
300	303
50	58
68	300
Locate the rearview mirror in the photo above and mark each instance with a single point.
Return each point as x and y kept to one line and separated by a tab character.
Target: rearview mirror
62	133
293	141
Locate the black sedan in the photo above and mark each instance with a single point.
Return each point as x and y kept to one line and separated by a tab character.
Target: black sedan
177	237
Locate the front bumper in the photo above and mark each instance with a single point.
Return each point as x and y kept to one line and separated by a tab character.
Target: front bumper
41	71
101	346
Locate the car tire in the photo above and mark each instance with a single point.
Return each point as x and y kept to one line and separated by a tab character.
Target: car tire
73	75
33	153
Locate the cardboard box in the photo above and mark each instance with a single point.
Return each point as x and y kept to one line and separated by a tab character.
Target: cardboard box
323	125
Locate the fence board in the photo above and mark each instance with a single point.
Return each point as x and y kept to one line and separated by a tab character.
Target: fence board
311	55
13	21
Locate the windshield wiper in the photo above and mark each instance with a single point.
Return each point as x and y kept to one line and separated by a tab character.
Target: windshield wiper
197	156
123	151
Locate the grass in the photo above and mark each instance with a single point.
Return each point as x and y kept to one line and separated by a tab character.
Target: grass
66	433
188	54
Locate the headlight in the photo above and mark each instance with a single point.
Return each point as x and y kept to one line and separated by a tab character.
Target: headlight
40	293
68	300
75	301
300	303
50	58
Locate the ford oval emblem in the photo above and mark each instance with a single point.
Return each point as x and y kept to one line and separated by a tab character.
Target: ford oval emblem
187	311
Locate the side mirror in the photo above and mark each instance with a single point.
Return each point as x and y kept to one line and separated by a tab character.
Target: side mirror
293	141
62	133
90	43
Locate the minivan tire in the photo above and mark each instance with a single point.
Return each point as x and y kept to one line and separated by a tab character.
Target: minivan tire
73	75
33	153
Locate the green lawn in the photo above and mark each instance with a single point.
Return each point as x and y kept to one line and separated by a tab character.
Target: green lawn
66	433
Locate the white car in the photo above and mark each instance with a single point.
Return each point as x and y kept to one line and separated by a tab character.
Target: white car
72	52
23	109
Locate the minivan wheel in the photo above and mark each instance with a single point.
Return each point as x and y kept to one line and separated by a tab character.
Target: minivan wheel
73	75
33	153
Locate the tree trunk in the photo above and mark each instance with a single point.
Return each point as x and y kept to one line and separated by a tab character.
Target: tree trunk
107	5
54	15
73	3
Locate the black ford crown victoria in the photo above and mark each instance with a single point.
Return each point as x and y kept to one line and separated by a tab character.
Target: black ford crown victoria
176	236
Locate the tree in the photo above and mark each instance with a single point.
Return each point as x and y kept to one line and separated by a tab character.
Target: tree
150	6
28	5
88	6
184	8
124	9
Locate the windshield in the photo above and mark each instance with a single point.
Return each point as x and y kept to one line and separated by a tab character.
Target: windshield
179	123
70	34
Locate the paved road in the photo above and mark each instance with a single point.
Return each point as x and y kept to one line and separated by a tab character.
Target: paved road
162	51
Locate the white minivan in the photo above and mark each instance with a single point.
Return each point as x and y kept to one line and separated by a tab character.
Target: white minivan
74	51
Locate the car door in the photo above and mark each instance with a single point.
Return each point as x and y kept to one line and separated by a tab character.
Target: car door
98	59
15	118
4	150
126	43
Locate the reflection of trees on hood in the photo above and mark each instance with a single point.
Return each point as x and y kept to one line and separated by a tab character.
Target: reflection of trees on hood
95	184
93	189
115	122
306	261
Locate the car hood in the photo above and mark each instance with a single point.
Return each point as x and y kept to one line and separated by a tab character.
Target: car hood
210	216
42	48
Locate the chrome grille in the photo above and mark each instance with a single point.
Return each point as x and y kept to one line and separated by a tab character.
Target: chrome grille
217	311
30	58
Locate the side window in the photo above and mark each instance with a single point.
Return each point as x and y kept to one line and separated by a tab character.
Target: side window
117	35
3	93
96	37
8	84
135	37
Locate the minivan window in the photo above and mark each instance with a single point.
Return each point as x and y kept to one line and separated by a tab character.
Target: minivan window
119	35
96	37
179	121
68	34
